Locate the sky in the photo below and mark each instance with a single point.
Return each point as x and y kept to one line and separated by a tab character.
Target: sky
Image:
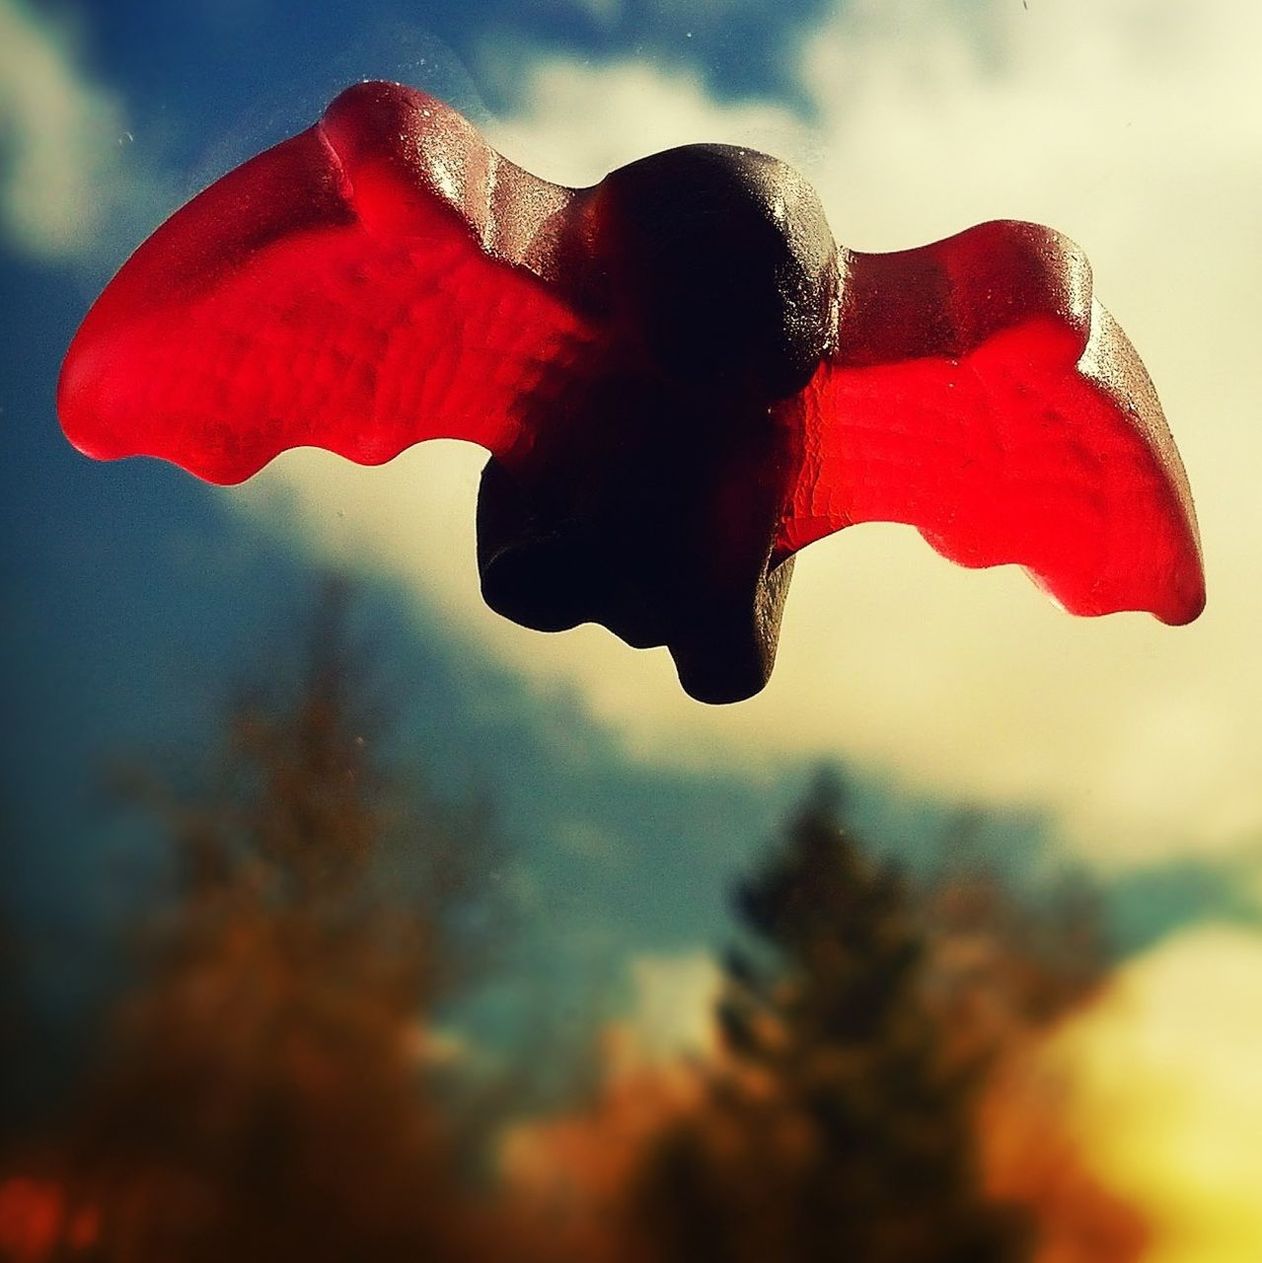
1132	128
1132	747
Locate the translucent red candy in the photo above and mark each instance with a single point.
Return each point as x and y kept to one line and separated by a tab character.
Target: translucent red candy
1019	427
677	369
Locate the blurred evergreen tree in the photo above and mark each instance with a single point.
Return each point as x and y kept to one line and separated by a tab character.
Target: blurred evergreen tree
275	1088
840	1130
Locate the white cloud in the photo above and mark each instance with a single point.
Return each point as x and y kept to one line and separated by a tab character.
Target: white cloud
672	1005
65	166
581	120
1137	128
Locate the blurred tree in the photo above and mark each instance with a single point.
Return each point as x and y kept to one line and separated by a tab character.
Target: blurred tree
279	1086
1005	967
1006	962
841	1129
272	1093
16	1029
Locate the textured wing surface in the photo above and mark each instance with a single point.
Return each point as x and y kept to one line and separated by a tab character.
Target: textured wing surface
372	282
980	394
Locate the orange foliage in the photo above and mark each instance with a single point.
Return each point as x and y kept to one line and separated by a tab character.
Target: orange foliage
1031	1156
570	1172
38	1221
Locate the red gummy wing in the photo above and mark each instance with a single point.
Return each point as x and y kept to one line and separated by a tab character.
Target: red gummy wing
980	394
374	281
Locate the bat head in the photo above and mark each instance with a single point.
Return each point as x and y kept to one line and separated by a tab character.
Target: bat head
720	264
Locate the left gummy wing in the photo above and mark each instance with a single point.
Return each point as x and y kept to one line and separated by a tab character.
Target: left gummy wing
981	394
379	279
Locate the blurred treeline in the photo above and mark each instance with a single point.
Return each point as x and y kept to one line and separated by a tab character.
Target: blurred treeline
278	1081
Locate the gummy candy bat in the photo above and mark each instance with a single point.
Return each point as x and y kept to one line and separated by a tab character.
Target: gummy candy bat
681	378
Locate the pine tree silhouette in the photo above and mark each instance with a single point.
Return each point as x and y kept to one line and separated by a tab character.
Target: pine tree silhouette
840	1132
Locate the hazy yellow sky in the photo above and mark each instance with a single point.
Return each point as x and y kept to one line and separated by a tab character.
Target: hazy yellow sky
1169	1093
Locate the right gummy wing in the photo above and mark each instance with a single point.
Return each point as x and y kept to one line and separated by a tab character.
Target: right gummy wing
979	393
